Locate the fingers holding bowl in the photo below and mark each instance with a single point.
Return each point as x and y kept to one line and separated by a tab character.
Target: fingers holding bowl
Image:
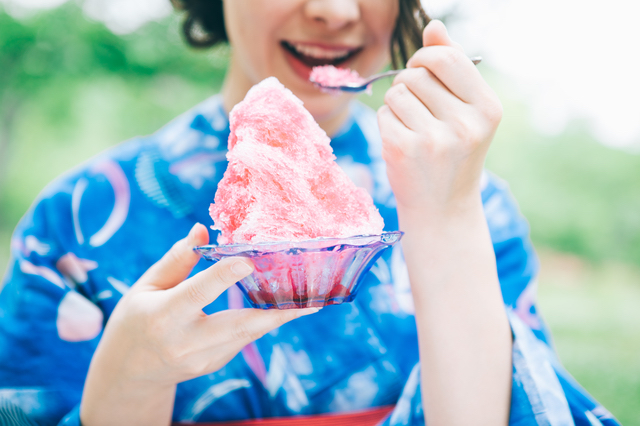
194	294
176	265
242	326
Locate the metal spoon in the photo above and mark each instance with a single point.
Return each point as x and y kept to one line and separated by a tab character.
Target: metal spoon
362	86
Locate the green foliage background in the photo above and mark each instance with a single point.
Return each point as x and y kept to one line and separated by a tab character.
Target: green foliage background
69	88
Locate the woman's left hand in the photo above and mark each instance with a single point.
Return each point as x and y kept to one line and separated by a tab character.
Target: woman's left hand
437	122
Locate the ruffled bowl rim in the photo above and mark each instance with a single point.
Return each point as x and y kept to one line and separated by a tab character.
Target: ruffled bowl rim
316	244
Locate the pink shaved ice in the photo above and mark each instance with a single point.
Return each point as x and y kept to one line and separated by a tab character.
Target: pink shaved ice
328	75
282	183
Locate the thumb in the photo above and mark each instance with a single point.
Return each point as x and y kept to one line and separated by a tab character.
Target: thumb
176	265
436	34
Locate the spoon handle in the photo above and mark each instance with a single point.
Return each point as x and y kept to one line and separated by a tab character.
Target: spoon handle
476	60
364	84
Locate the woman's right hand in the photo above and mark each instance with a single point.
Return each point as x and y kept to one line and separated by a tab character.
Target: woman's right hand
158	336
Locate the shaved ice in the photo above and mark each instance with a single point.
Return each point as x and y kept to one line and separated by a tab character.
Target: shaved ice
330	76
282	182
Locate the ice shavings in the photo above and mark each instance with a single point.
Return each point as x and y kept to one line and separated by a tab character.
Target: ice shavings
282	182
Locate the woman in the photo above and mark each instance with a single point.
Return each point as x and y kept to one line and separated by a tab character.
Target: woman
428	334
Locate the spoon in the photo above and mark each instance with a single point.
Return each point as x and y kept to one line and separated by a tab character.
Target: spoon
362	85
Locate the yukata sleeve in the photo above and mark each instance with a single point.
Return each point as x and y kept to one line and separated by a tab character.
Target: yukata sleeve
49	327
543	392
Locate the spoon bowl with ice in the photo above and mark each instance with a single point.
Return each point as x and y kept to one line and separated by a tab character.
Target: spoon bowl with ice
330	79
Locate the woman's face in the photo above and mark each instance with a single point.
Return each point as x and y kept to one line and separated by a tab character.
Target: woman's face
286	38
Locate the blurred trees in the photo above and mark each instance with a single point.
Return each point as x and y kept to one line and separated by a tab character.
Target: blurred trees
61	48
578	195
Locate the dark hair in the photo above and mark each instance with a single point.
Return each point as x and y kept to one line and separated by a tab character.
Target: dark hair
204	26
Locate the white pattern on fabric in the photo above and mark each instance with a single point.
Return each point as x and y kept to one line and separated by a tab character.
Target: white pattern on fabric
359	393
525	302
78	319
122	193
593	419
18	406
538	377
34	245
402	411
198	169
118	285
41	271
76	197
280	377
210	396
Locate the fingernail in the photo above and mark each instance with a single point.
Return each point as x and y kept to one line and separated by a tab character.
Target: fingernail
439	22
241	268
446	30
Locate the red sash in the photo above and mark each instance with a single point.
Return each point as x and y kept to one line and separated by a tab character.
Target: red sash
360	418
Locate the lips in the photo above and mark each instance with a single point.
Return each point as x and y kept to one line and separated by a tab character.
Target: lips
313	55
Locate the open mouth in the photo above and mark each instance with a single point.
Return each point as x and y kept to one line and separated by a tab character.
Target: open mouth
314	56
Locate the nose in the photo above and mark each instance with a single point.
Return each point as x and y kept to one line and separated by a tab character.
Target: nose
335	14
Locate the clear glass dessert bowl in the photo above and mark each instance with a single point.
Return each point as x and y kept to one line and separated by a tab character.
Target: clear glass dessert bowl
304	274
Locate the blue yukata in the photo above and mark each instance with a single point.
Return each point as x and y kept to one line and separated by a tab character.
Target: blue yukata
94	231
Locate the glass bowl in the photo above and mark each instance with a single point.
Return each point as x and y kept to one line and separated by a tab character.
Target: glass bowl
304	274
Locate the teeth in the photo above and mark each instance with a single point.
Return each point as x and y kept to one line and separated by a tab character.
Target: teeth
319	52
